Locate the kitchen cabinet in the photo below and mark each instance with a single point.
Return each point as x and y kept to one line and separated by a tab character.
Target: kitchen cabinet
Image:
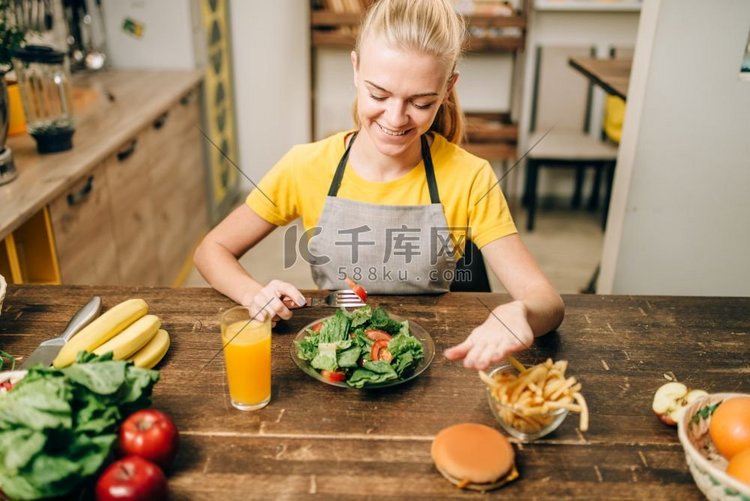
177	185
83	233
131	210
28	255
128	204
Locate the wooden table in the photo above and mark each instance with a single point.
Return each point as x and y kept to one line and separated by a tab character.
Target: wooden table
613	75
315	439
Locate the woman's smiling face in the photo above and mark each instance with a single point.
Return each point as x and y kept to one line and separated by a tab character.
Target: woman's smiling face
398	94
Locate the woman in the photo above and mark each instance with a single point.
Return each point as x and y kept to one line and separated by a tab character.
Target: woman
385	202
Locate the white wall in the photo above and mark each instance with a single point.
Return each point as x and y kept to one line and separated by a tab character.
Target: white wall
168	39
679	221
270	42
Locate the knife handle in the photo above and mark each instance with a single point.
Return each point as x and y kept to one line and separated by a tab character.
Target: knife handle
83	317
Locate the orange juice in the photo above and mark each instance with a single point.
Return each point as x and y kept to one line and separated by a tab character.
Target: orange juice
247	351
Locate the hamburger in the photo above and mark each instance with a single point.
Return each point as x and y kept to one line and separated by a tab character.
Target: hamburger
474	456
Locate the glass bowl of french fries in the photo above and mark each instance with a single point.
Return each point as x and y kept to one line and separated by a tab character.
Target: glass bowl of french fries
532	402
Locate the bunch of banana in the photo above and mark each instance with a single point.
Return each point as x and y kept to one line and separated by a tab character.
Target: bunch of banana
126	330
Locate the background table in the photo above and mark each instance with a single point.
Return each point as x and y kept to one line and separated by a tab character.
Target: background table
316	439
613	75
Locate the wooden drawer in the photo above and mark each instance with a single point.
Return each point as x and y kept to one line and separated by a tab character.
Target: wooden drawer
82	226
166	139
131	204
171	244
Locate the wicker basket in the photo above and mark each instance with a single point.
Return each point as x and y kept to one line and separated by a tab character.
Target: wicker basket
706	465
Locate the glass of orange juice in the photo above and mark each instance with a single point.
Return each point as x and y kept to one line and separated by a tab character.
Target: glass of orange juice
247	353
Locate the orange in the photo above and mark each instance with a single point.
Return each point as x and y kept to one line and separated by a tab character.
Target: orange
730	426
739	466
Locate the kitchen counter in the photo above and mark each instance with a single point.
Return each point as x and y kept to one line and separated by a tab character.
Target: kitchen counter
335	443
111	108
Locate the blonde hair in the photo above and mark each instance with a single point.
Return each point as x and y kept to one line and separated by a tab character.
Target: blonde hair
428	26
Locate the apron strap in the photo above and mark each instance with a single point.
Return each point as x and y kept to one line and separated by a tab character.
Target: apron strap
429	171
339	175
426	158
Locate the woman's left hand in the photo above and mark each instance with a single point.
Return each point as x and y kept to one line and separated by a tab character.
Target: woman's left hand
505	331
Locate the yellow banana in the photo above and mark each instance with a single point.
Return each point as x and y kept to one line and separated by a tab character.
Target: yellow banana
133	338
151	354
101	330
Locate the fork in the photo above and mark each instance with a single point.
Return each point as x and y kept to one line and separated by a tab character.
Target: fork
343	298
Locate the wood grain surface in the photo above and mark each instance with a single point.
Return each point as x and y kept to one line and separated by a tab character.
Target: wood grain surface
612	74
318	441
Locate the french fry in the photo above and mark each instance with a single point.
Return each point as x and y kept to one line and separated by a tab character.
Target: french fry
515	363
527	400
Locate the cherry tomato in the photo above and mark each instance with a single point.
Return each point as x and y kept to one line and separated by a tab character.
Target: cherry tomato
132	478
380	351
317	327
377	335
358	289
150	434
6	385
335	376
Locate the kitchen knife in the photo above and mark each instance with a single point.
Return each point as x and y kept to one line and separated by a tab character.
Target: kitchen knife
46	352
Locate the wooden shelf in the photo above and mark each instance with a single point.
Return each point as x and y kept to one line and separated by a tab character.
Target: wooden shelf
338	29
496	44
492	151
488	21
327	18
333	38
491	135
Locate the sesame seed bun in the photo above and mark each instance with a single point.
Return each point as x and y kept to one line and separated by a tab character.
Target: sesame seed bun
474	456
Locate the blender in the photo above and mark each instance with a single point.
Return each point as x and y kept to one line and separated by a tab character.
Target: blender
43	77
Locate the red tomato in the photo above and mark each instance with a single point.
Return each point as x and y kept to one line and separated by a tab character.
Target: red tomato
317	327
132	478
377	335
358	289
335	376
150	434
380	351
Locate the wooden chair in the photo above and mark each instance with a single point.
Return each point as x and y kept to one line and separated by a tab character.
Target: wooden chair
565	147
571	151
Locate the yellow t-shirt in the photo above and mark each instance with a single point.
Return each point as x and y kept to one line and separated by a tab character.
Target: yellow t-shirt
298	184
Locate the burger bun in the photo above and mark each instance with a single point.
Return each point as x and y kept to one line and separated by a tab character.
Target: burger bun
474	456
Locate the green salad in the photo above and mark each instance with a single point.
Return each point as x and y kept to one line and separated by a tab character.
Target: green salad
363	347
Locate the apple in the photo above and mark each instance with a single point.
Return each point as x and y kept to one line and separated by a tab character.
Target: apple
671	399
132	478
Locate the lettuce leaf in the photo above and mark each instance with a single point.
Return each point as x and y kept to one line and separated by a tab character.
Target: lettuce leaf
58	427
372	372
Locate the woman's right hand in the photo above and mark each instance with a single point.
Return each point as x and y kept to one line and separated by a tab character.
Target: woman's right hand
268	301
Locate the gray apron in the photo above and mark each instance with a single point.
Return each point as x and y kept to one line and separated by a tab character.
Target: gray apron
388	249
